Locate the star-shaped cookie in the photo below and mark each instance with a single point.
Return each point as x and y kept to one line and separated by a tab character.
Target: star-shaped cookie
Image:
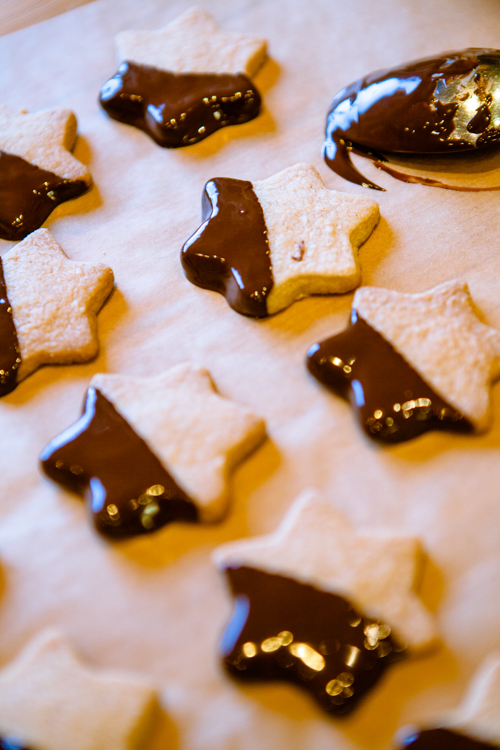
148	451
412	362
265	244
321	605
48	308
185	81
50	699
475	724
37	170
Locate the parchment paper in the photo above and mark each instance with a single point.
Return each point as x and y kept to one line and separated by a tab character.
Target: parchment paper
156	604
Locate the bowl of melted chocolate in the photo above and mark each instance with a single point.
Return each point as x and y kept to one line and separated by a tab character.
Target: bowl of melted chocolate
446	104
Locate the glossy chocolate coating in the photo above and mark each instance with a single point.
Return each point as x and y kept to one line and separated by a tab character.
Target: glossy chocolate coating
28	195
285	630
443	739
126	487
229	253
391	401
444	104
177	109
9	346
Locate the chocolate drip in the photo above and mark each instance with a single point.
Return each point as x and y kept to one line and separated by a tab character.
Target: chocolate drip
9	346
229	253
101	457
391	400
285	630
443	739
177	109
418	180
418	108
28	195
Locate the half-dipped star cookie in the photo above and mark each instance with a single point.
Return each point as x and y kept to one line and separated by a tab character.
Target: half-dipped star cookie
50	699
265	244
186	81
148	451
37	170
410	363
48	308
474	725
321	606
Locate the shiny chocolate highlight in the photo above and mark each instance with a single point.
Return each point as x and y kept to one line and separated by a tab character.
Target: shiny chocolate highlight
126	488
28	195
444	104
285	630
178	109
391	401
230	253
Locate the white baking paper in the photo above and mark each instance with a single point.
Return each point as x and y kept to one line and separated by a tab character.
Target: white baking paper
156	604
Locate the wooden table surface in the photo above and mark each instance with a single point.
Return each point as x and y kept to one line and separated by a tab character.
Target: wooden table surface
16	14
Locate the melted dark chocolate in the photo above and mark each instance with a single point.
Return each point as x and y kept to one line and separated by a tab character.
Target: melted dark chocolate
391	401
9	346
444	104
28	195
229	253
285	630
177	109
125	486
443	739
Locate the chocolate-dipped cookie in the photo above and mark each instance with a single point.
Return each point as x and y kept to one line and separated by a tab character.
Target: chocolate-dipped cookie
410	363
321	606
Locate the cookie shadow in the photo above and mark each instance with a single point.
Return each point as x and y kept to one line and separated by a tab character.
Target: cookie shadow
164	733
377	720
375	250
3	581
84	204
177	539
82	150
429	583
279	697
303	314
114	308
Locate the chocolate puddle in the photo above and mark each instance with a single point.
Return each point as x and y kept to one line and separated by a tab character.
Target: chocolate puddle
229	253
391	401
178	109
9	345
443	739
417	179
445	104
125	485
28	195
285	630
